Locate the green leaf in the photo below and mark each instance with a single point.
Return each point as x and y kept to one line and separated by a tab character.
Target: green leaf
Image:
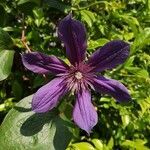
81	146
61	6
6	61
95	44
144	104
38	13
3	15
22	129
39	16
130	20
26	6
26	1
138	144
143	73
88	17
110	144
129	62
17	89
125	120
2	107
38	81
139	72
98	144
141	40
5	40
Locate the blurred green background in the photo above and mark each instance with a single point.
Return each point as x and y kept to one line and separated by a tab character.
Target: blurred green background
120	126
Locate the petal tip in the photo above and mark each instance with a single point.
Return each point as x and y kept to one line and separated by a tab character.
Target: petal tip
84	113
69	16
110	55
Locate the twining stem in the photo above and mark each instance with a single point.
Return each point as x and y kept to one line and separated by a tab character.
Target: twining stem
24	42
23	38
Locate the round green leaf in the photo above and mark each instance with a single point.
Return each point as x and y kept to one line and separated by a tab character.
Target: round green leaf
6	61
22	129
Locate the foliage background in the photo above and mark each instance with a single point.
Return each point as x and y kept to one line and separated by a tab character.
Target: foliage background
120	126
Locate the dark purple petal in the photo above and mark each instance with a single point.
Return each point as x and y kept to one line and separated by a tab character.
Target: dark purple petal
73	34
84	113
47	96
43	64
109	56
113	88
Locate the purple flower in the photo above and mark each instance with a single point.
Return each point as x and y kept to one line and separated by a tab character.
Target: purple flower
81	76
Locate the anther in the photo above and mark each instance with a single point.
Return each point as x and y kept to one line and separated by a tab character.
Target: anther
78	75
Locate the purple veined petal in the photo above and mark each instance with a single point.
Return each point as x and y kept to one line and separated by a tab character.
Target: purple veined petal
109	56
43	64
113	88
48	96
73	34
84	113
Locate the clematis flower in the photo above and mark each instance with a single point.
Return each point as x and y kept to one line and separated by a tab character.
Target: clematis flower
81	76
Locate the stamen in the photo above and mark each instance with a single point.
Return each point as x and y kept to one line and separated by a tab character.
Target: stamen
78	75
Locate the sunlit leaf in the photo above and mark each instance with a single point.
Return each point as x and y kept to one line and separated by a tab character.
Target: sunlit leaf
131	21
129	62
98	43
6	61
20	2
139	72
125	120
98	144
88	17
142	39
138	144
81	146
23	129
144	104
110	144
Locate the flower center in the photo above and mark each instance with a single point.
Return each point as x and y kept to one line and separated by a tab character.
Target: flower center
78	75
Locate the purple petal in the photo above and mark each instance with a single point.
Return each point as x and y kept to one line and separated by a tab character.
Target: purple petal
113	88
84	113
43	64
47	96
109	56
73	34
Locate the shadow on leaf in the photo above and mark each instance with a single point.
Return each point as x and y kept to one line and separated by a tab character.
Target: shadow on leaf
57	128
62	134
22	109
35	123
